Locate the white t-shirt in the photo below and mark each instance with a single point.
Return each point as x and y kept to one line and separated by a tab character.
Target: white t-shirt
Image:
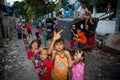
82	11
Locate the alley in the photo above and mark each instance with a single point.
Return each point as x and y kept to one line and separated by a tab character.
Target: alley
99	65
18	67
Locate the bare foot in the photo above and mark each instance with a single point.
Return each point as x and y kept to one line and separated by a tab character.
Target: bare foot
100	43
91	22
86	27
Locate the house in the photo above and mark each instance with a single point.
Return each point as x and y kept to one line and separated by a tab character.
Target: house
3	2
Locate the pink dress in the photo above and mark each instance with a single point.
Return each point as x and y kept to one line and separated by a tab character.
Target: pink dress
78	71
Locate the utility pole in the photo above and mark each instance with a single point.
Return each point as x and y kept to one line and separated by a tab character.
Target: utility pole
118	17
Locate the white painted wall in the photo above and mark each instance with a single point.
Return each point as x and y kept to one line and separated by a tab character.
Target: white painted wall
72	1
105	26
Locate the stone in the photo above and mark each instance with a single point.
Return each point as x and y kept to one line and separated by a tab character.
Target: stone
19	62
1	52
99	75
13	52
111	58
7	67
14	56
9	60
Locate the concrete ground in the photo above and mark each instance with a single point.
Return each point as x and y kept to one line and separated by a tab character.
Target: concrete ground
99	65
18	67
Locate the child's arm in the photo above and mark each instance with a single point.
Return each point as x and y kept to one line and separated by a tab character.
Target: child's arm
73	32
55	37
70	65
32	58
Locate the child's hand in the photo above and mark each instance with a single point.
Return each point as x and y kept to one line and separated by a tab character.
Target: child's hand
36	51
45	70
79	53
77	40
40	49
57	35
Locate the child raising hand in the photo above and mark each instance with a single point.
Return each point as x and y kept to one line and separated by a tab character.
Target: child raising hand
78	66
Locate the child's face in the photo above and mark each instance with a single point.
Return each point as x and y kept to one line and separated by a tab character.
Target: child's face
59	46
43	55
78	57
84	5
78	30
34	46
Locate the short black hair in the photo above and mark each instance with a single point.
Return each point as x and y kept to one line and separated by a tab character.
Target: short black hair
33	42
60	13
84	2
59	40
70	6
45	49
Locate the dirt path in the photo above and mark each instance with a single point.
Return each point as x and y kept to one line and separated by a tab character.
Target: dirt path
18	67
98	64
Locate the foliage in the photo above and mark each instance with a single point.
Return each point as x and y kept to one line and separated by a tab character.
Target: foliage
19	5
32	9
40	7
64	3
61	4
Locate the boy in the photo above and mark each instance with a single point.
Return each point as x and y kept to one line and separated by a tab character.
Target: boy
81	38
61	58
29	27
83	13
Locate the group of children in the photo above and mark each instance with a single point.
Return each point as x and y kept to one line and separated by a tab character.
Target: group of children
22	28
55	63
41	34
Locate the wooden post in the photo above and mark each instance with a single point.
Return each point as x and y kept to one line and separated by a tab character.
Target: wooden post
118	17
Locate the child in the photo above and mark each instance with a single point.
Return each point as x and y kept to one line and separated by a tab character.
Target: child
78	66
61	58
26	43
83	13
29	27
39	35
44	34
45	65
81	38
33	54
19	30
34	49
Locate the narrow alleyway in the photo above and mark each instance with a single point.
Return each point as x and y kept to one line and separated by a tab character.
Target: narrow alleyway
18	67
99	65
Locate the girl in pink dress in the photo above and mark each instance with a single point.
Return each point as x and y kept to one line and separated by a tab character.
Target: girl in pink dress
78	66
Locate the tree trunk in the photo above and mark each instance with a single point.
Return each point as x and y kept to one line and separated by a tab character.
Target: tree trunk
60	4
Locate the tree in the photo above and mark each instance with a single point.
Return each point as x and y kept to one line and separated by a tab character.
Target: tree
19	5
61	4
41	7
